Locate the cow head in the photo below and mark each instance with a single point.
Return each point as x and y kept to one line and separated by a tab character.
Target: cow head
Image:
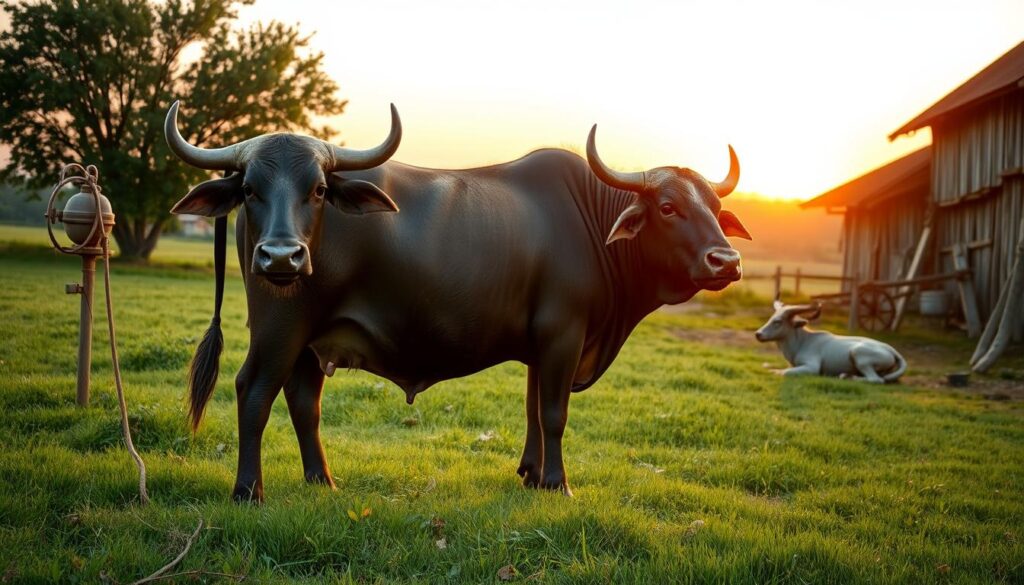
284	182
786	320
679	224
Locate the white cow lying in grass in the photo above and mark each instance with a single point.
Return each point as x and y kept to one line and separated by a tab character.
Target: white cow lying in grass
822	353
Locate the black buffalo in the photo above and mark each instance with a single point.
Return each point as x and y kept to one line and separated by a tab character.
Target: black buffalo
544	260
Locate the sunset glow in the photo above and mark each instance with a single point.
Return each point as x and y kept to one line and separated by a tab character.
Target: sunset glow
806	92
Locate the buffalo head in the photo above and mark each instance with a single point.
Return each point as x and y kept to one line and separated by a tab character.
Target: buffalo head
786	320
679	225
283	181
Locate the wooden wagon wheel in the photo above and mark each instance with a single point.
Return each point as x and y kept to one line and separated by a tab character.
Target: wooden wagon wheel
876	310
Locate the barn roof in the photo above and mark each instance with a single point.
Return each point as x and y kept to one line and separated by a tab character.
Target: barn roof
1004	74
900	177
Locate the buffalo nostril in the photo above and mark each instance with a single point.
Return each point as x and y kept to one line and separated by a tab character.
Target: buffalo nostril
723	261
262	257
298	256
714	261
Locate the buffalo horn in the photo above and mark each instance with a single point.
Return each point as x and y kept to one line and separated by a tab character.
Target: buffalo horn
814	309
727	186
214	159
347	159
636	182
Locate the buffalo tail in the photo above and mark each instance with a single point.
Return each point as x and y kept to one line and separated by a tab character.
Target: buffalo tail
901	367
202	377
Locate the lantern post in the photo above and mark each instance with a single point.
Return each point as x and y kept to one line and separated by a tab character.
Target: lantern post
86	228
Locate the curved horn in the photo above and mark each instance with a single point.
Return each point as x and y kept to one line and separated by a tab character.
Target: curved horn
814	313
636	182
726	186
213	159
801	309
347	159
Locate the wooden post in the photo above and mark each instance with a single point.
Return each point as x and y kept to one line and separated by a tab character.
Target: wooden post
967	297
854	302
797	291
778	281
85	328
915	264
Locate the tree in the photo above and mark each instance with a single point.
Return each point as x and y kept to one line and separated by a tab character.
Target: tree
91	81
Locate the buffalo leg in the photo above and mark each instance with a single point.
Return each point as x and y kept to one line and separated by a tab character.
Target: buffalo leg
803	370
557	366
303	391
533	454
257	385
868	360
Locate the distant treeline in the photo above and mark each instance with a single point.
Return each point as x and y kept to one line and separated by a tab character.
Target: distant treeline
22	207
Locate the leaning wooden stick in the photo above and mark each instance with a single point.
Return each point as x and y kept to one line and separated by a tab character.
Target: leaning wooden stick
1005	317
992	327
161	573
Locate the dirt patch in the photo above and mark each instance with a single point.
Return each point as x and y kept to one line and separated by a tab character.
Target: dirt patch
733	338
987	387
730	337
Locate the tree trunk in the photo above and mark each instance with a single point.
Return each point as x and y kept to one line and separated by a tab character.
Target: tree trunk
151	239
127	247
134	241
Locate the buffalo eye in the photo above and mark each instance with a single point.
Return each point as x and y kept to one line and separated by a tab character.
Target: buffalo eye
667	210
320	191
247	189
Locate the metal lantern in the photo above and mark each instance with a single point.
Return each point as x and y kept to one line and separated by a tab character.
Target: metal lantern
79	216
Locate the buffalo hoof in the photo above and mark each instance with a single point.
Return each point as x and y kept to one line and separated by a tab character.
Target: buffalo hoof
530	473
557	484
248	494
320	478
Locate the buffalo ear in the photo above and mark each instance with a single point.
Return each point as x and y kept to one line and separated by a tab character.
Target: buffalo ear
629	224
799	322
731	225
213	198
358	197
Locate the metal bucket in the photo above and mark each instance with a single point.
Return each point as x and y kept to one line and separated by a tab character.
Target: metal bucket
934	303
958	379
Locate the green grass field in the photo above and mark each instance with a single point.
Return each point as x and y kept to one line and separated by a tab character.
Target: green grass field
690	460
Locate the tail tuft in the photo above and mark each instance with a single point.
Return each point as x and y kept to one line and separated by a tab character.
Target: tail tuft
202	376
204	371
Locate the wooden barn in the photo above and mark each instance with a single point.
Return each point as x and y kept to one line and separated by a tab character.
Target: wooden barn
884	213
963	195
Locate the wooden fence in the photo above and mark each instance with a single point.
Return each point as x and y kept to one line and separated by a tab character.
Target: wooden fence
799	277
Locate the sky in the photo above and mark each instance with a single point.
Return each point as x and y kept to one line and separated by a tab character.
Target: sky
806	92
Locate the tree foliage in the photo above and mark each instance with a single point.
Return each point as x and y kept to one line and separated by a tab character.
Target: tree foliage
91	81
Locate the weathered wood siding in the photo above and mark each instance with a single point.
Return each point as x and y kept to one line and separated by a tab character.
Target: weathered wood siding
879	241
972	150
978	186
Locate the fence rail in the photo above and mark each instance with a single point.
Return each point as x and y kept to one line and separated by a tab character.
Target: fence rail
798	277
